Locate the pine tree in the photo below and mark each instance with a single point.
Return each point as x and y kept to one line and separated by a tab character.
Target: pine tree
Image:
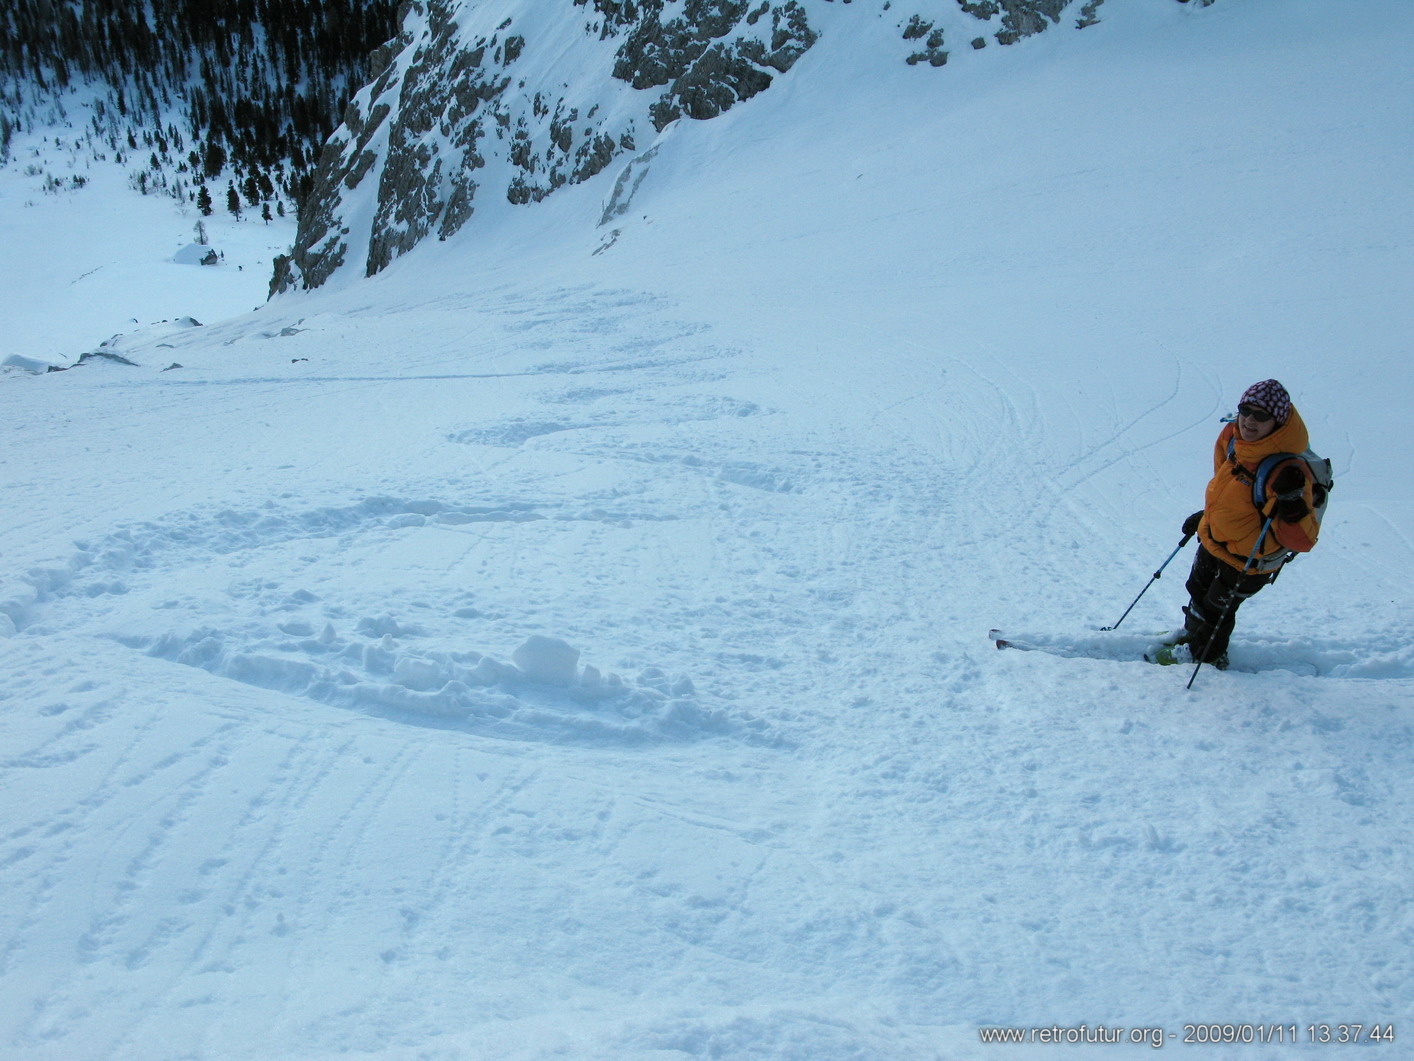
215	160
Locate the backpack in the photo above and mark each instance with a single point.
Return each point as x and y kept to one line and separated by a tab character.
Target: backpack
1318	471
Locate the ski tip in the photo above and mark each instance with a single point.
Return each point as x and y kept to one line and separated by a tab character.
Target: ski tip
1002	642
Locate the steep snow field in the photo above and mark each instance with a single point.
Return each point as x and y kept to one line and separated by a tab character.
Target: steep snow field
572	642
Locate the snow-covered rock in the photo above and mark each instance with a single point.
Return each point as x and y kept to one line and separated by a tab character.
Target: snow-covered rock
196	254
505	103
22	363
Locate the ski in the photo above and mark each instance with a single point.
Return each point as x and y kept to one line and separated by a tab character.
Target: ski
1011	642
1133	648
1120	648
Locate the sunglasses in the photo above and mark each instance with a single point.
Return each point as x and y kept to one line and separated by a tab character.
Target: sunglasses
1254	413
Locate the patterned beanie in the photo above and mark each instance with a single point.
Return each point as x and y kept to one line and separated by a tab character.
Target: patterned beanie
1271	396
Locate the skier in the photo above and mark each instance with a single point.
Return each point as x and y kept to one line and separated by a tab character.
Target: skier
1242	547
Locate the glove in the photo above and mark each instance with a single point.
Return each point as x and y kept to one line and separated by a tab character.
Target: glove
1190	525
1291	509
1289	482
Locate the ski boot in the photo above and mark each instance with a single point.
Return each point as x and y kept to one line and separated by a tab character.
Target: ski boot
1181	651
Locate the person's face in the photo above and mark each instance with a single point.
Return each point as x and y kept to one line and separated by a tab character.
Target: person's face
1251	425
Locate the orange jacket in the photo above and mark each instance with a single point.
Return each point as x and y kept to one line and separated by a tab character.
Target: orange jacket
1231	522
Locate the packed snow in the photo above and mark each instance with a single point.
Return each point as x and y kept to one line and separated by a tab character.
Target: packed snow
572	642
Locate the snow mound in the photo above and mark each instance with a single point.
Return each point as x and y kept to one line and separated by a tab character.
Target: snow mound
543	694
26	364
317	624
548	660
196	254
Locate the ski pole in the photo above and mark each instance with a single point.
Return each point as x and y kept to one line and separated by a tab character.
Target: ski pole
1152	579
1227	609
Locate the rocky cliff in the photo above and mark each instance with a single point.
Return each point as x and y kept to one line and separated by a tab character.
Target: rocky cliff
512	100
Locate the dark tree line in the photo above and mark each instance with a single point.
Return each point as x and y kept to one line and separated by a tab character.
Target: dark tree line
255	86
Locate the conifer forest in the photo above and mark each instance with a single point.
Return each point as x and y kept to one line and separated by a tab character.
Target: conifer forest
224	103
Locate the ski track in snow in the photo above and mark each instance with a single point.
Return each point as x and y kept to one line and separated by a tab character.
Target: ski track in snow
398	607
780	598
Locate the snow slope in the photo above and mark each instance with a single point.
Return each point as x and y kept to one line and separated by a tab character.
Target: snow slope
572	643
82	265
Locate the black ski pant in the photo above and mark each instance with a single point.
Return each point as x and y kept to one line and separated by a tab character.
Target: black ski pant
1215	591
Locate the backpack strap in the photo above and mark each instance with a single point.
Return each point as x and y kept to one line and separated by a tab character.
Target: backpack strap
1239	470
1264	470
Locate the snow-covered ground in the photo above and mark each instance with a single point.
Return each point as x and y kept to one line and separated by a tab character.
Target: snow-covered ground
572	642
83	264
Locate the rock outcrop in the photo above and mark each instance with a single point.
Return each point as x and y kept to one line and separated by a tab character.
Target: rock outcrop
465	112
